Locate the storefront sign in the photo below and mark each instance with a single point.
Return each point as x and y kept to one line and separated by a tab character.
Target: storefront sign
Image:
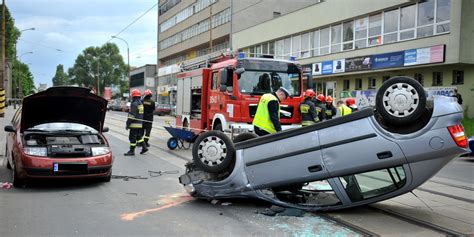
327	67
388	60
433	54
437	91
306	69
358	63
338	66
317	68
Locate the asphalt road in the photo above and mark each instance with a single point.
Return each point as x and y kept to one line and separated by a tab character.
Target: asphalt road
142	205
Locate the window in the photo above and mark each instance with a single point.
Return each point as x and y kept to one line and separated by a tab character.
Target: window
390	26
258	50
443	15
419	78
279	49
305	46
346	85
425	18
271	48
374	183
348	35
372	82
296	46
407	22
287	47
375	29
437	78
385	78
214	85
324	41
458	77
336	35
361	33
265	48
315	43
358	84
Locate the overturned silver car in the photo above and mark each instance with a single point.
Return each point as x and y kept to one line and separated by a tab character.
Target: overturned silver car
368	156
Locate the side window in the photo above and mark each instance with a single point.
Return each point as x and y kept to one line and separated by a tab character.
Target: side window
214	82
374	183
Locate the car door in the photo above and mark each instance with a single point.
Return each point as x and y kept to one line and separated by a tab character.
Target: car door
355	146
286	158
11	136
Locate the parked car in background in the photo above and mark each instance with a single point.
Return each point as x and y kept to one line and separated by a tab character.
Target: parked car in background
162	109
57	133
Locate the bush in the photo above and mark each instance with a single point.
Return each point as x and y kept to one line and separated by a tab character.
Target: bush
468	124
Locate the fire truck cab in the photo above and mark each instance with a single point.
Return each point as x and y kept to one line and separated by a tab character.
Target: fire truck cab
225	95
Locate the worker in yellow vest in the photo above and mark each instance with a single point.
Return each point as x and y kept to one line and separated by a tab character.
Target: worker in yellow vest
342	109
267	117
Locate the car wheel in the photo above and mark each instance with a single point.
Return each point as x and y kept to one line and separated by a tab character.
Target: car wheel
172	143
9	166
400	100
17	182
107	178
213	151
244	137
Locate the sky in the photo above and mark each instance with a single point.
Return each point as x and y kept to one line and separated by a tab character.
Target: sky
64	28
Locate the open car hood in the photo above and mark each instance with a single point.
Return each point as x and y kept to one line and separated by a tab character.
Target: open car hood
64	104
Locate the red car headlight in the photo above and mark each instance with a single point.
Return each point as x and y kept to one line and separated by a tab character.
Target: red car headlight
98	151
36	151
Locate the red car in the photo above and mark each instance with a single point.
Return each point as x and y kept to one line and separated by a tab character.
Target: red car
57	133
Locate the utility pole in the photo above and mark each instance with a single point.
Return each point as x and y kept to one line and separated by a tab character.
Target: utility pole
2	80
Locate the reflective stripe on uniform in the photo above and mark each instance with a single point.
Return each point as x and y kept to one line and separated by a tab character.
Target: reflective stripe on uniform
307	123
146	137
135	125
141	140
133	144
262	116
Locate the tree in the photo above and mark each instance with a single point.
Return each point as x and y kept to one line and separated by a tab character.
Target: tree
60	78
25	77
11	34
98	64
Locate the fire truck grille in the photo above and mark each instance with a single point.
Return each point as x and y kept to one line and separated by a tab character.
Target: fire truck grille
283	115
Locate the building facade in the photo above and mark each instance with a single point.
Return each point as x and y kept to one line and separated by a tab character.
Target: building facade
143	78
189	29
348	48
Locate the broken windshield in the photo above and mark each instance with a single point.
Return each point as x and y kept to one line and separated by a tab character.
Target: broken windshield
261	82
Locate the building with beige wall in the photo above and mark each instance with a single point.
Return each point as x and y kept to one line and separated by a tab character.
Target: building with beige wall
350	47
187	32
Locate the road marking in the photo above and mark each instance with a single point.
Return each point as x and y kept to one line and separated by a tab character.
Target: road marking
167	202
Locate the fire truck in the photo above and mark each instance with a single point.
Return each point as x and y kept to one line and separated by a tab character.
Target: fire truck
225	93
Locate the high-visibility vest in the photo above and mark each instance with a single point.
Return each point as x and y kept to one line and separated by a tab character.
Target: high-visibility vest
344	110
262	116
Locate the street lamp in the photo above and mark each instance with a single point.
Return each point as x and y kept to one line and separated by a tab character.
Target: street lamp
128	59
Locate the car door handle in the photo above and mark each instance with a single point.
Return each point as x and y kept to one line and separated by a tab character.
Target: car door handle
315	168
384	155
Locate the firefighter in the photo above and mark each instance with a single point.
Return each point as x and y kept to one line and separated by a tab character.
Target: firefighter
342	109
308	111
330	109
351	103
319	102
149	109
135	124
267	117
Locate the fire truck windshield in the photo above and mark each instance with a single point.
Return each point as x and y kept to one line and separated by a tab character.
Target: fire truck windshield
261	82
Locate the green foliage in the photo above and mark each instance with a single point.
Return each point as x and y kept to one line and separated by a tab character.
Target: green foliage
60	78
11	34
103	64
468	124
22	79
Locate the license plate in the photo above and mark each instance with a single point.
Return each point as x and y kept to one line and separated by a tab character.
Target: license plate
70	168
55	167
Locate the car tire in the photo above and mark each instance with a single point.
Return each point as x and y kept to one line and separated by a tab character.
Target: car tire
17	182
107	178
172	143
213	152
244	137
9	166
400	100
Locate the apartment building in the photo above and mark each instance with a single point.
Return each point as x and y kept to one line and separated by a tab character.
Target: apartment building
348	48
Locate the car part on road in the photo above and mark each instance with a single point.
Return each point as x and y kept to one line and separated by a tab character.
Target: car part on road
160	173
213	151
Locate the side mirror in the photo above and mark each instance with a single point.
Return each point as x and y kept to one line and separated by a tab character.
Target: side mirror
9	128
105	129
240	70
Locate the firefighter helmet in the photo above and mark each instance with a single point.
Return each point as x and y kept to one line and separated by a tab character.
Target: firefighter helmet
309	93
329	99
350	101
136	93
148	92
321	98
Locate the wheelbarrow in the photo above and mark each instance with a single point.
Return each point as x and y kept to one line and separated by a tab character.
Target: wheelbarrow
179	138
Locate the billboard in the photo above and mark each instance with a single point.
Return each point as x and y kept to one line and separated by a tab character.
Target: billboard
437	91
387	60
317	68
358	63
433	54
327	67
338	66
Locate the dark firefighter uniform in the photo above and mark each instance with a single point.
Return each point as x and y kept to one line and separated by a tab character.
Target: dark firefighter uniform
330	111
135	124
321	109
308	112
149	109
